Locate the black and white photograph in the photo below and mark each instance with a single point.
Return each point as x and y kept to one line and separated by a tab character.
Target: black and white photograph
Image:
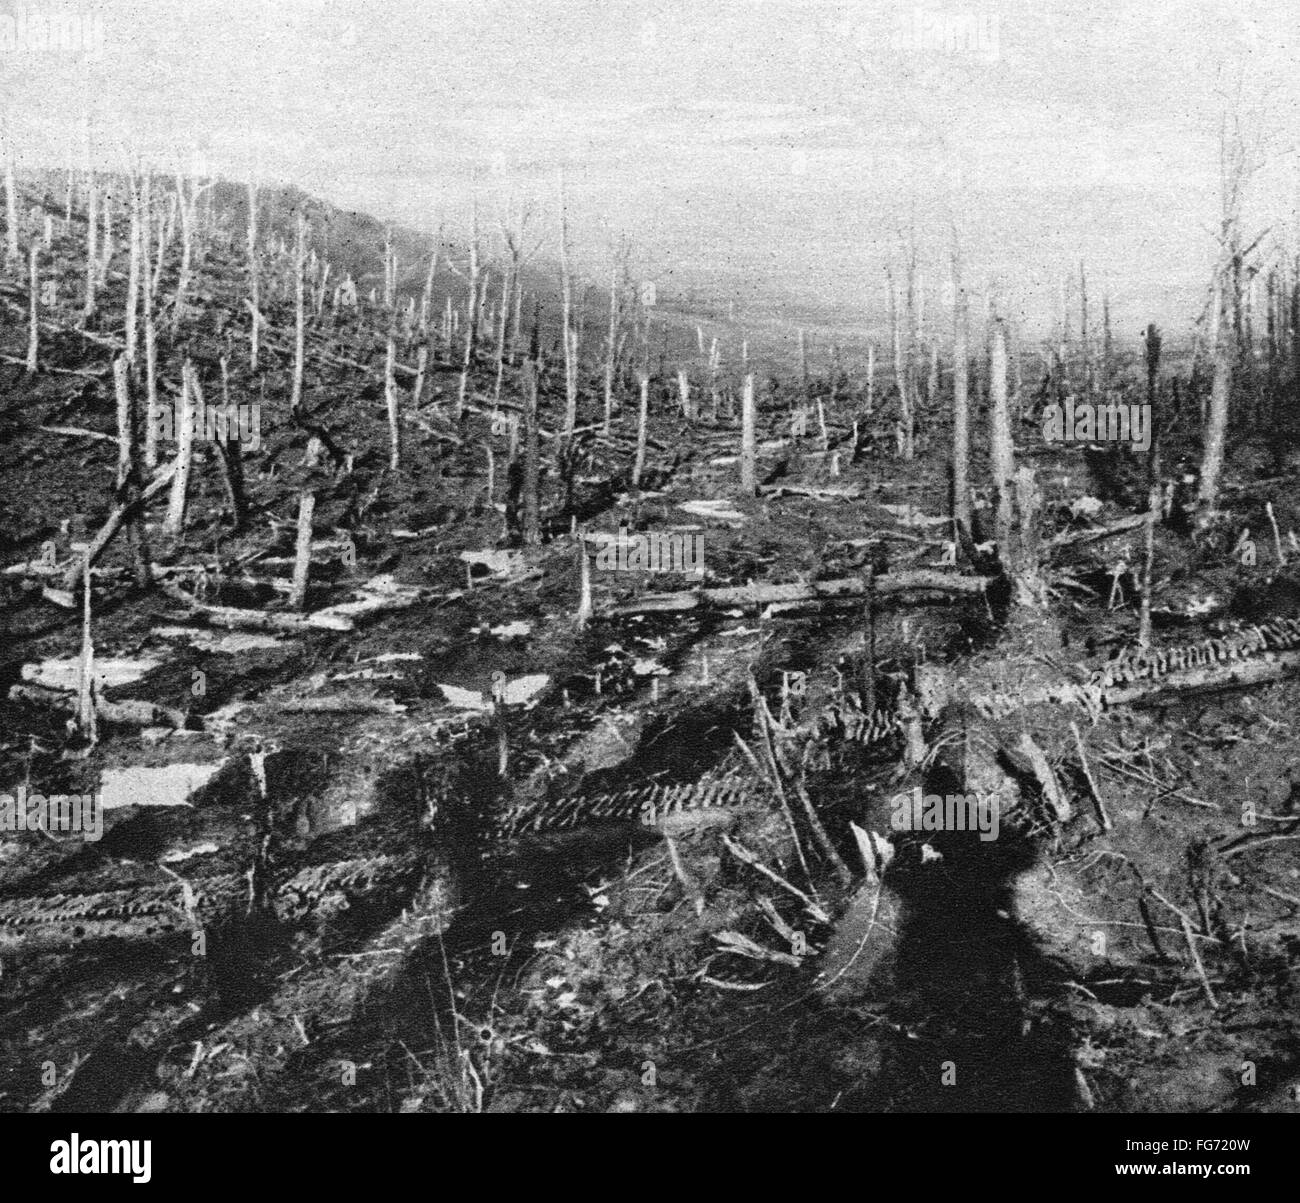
575	556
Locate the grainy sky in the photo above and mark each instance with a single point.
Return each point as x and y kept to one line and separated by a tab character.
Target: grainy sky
768	151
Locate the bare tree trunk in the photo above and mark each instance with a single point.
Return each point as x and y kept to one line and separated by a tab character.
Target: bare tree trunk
106	243
86	691
185	205
1002	459
583	616
128	477
961	509
92	230
34	323
911	392
503	322
390	272
1216	429
175	523
871	378
1295	323
1083	332
1106	347
133	277
517	311
299	330
532	524
1148	560
715	372
643	417
421	372
165	223
391	400
471	317
684	394
568	335
748	467
254	280
12	252
231	457
150	329
426	295
302	550
611	347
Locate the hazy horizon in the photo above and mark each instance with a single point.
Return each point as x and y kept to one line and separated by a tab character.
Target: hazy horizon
769	152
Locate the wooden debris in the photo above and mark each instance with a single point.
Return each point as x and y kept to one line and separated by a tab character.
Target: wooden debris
114	523
920	579
1102	816
1093	534
80	433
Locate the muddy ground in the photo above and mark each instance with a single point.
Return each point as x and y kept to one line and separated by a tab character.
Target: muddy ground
604	968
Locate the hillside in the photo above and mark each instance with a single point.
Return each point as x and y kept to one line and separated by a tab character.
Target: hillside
400	815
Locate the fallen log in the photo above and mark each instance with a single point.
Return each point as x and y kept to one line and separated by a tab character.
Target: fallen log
232	618
797	591
433	431
114	523
131	712
380	597
342	704
1092	534
1240	674
53	371
79	432
372	603
817	492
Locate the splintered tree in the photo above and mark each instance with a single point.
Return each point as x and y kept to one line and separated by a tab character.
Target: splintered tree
12	252
1236	166
961	510
254	279
531	466
92	231
188	191
568	334
149	288
299	329
131	331
33	289
617	278
476	283
1002	460
185	431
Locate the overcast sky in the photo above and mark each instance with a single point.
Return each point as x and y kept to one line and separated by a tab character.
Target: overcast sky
761	149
